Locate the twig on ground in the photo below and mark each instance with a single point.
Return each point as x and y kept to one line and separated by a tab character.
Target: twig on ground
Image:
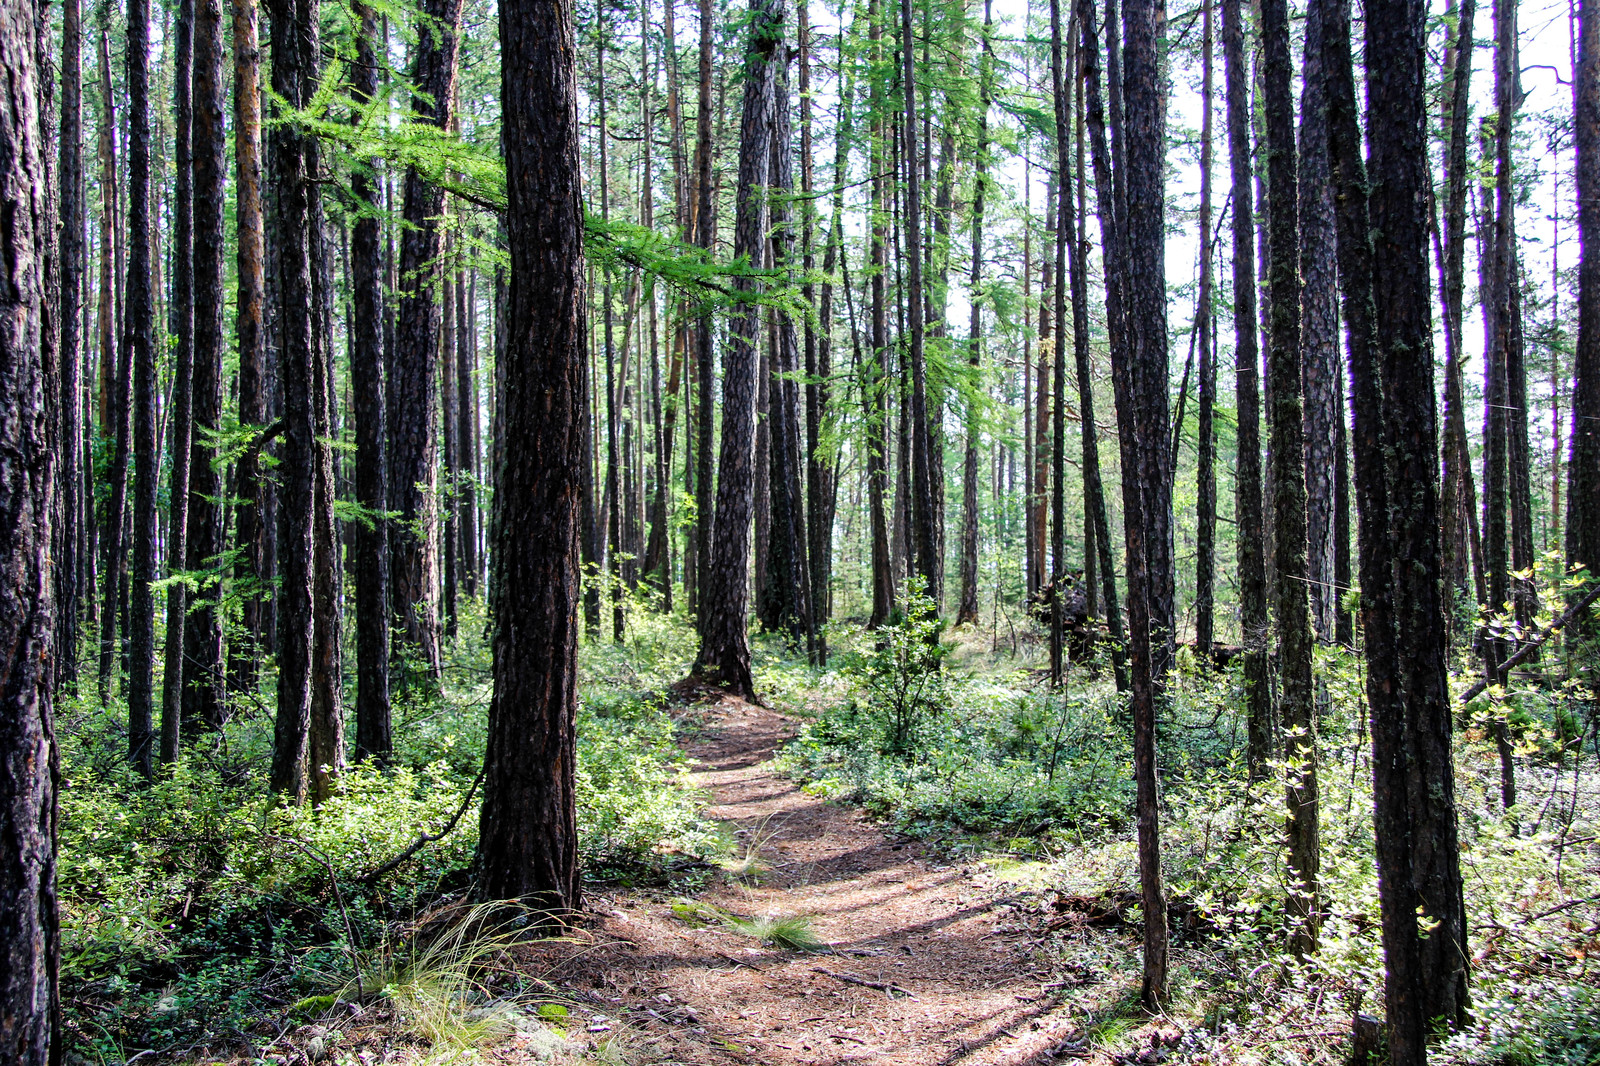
851	979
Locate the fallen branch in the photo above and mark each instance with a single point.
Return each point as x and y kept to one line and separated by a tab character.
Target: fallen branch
1525	652
426	838
852	979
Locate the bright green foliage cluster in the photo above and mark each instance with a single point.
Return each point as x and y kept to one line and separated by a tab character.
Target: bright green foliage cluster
191	904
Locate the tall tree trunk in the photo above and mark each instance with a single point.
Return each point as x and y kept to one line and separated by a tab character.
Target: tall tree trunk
1248	508
924	538
821	470
1583	465
1206	470
1094	493
180	318
1284	362
325	750
1385	280
28	921
450	417
296	51
1319	334
252	526
116	374
724	657
139	339
788	584
466	431
967	605
413	469
73	254
875	386
374	733
1058	429
1136	309
202	635
528	832
1458	505
705	329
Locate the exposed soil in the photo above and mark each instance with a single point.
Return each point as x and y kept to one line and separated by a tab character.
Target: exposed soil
931	963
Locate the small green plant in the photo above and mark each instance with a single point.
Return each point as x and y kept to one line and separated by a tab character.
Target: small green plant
901	678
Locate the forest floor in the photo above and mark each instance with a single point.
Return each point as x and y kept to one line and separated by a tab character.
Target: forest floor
925	962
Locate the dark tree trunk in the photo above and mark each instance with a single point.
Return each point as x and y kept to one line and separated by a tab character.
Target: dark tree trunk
1102	565
139	340
788	585
252	527
1583	466
1142	406
528	829
450	417
414	374
116	372
724	657
1289	481
374	738
924	536
822	475
705	328
1385	280
1206	469
296	52
875	383
1136	309
202	634
28	922
967	604
73	253
467	431
1458	504
1248	509
1319	334
1058	429
180	318
325	749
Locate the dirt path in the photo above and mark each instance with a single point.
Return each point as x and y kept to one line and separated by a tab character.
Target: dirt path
960	975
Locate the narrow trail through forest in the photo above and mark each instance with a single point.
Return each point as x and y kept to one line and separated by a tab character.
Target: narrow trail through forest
930	963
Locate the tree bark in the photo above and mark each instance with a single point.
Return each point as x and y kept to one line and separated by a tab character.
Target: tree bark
73	253
724	656
967	604
1319	334
180	318
1284	361
28	923
138	338
705	329
202	635
1206	471
1248	504
788	581
1383	278
1583	465
374	731
528	833
296	51
413	470
924	537
875	383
